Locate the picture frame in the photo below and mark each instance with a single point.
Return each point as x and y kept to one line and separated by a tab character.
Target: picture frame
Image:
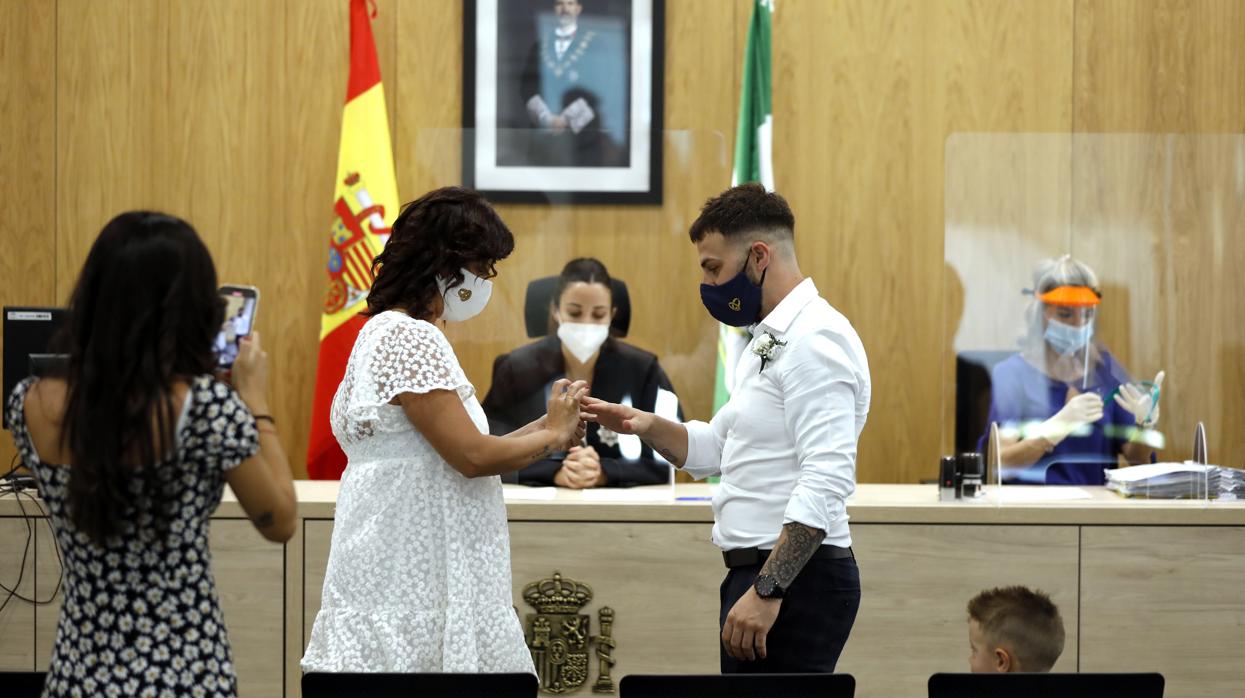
563	100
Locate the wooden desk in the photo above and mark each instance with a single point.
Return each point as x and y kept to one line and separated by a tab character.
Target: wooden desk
1142	585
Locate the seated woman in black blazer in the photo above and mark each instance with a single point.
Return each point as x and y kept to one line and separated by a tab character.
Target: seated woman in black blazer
582	349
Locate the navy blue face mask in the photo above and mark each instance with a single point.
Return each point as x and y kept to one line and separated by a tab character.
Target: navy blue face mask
737	302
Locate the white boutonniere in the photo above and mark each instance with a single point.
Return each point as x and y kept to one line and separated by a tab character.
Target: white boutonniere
607	437
766	346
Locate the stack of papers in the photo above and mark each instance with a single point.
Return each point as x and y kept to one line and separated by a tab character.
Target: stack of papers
1186	480
1231	483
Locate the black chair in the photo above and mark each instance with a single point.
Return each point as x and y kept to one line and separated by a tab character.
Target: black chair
972	395
331	685
739	686
539	297
22	684
1044	685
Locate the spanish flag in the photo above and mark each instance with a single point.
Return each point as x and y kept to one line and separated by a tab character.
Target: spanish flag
364	206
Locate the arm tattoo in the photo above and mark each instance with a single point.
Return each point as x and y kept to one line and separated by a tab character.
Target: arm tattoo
665	453
541	454
264	520
796	545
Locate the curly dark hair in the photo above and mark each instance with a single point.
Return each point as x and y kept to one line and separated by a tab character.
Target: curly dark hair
435	237
743	210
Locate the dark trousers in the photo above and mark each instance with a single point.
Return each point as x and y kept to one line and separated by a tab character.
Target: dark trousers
813	623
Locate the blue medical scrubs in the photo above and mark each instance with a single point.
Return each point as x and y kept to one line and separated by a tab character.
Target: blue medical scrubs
1022	394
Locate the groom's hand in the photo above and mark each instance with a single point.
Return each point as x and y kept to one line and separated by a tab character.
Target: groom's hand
617	418
747	625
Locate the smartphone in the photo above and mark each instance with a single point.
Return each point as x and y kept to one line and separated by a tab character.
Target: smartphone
241	305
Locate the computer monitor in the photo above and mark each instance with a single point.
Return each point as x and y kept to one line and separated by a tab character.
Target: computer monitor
28	333
1045	685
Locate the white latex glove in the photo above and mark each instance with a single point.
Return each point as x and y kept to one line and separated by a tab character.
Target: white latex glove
1138	400
1083	409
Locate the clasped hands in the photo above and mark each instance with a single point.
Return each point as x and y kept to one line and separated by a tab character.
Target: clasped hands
581	467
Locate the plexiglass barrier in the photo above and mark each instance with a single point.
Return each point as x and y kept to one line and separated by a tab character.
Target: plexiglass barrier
1093	298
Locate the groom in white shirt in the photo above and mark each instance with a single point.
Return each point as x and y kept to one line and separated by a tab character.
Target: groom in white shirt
784	445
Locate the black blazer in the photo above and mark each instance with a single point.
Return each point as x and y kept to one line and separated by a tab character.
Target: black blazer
520	393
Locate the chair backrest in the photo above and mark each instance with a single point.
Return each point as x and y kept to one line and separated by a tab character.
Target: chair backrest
739	686
327	685
1044	685
22	684
972	395
540	296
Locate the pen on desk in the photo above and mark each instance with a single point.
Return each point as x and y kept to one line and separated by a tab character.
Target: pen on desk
693	499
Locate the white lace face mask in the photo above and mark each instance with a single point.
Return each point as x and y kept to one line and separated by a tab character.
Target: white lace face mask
466	300
582	339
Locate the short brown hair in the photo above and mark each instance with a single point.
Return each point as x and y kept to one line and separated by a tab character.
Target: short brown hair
741	210
1025	620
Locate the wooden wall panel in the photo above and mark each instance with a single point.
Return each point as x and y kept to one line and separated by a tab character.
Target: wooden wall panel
112	120
859	152
17	619
27	161
1162	215
313	112
1127	573
916	582
250	579
229	114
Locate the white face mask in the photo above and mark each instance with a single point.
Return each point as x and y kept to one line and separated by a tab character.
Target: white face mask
466	300
583	340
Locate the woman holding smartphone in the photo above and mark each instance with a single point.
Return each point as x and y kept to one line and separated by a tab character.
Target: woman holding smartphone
131	450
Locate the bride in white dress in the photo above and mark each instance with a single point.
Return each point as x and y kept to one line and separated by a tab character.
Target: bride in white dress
418	577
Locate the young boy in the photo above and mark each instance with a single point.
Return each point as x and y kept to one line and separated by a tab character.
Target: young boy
1013	629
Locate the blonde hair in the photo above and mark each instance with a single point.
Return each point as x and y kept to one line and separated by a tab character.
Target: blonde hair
1048	275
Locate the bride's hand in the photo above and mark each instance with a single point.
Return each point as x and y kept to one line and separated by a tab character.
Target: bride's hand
563	416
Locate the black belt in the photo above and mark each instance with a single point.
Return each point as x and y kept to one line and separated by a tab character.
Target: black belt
744	557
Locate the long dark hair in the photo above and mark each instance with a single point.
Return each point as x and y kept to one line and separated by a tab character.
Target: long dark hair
435	237
143	314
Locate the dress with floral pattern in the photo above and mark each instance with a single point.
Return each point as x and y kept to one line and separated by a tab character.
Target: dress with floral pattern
141	615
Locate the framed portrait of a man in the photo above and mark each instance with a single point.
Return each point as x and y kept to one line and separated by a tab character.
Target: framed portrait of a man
562	100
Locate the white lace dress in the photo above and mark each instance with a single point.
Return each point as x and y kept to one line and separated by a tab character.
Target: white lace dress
418	576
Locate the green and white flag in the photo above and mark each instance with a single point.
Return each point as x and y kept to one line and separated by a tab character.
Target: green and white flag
753	163
754	133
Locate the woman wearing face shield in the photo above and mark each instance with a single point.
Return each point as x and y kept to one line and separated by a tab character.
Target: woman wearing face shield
583	350
1066	409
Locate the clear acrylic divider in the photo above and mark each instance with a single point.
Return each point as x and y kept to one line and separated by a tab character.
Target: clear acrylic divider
1092	309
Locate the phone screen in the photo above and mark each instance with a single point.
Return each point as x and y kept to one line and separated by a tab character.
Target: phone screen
240	305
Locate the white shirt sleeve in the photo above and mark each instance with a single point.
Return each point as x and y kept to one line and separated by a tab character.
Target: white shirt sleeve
820	387
704	446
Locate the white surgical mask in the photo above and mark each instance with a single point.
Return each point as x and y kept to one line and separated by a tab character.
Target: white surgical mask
582	339
466	300
1068	339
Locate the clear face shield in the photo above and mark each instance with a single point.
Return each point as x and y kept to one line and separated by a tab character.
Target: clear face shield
1068	314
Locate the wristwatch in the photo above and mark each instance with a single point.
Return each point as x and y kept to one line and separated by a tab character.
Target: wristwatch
768	588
